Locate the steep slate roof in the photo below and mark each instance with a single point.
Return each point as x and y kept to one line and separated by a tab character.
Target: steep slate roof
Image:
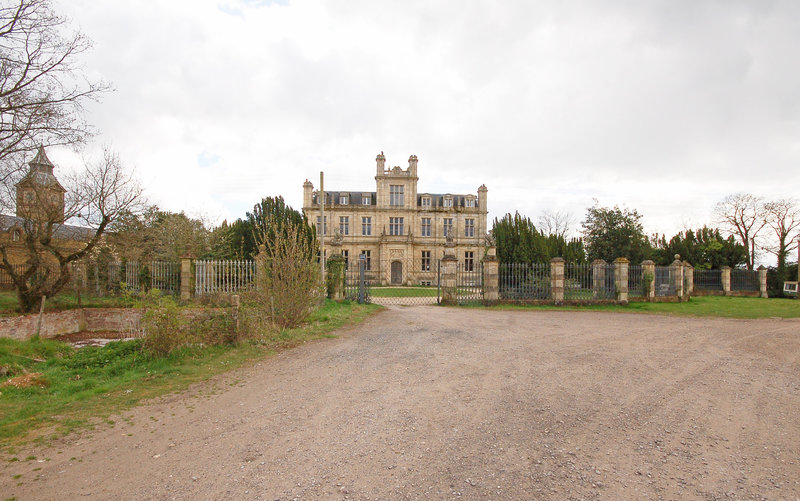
437	199
353	197
41	171
60	231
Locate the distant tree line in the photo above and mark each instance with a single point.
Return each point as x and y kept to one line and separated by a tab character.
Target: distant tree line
748	227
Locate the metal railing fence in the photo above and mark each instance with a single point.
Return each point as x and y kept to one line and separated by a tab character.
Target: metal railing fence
524	281
708	280
469	283
664	281
744	280
605	287
224	276
636	283
578	281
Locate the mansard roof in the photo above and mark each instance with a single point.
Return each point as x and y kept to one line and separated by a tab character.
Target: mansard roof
437	199
353	197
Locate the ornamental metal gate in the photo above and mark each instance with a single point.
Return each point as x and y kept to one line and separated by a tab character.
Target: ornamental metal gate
469	283
395	281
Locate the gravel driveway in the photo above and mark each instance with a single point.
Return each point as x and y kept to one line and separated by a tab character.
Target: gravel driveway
442	403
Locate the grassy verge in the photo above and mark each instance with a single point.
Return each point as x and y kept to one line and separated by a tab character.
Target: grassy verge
702	306
69	388
402	291
65	301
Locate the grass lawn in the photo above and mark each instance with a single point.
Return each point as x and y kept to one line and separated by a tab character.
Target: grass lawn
76	387
64	301
402	291
701	306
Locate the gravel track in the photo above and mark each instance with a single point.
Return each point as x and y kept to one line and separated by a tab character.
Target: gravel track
442	403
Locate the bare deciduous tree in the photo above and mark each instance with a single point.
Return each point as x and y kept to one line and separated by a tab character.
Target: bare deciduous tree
742	215
556	223
94	199
783	218
42	93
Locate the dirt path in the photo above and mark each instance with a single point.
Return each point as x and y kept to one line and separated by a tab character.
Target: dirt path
440	403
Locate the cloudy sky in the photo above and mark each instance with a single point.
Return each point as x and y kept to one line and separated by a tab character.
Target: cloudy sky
665	107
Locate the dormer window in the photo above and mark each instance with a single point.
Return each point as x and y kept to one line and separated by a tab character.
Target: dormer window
470	202
448	202
426	201
366	200
343	200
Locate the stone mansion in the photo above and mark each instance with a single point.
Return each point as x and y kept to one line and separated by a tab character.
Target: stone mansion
400	232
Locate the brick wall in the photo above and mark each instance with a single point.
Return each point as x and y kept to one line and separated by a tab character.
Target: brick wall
70	321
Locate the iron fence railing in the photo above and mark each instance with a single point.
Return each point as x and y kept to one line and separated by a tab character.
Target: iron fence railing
604	285
224	276
744	280
469	283
524	281
578	281
636	281
356	283
664	281
708	280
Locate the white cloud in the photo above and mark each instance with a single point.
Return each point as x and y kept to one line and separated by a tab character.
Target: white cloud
665	107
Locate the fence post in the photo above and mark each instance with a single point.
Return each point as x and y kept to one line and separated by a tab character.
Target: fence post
557	279
649	277
235	305
725	277
621	279
598	277
677	276
362	261
762	281
449	265
688	278
490	277
187	277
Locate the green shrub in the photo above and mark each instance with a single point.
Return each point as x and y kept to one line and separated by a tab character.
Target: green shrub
165	327
215	328
334	274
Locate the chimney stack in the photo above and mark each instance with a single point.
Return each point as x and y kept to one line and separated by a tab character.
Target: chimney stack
381	161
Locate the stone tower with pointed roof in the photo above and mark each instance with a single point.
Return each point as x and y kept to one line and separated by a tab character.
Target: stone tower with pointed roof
39	194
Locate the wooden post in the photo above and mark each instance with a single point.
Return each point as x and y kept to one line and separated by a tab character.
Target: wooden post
235	303
323	226
41	312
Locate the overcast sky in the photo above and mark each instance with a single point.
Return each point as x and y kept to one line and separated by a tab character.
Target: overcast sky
665	107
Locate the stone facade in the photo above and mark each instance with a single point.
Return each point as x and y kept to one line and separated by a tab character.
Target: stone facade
401	231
